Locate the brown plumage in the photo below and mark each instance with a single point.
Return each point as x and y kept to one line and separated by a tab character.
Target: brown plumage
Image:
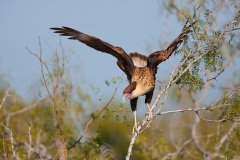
140	69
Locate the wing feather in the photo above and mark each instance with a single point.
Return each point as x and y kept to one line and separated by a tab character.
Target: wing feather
98	45
159	56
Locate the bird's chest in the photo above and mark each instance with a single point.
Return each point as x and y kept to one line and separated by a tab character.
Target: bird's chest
144	77
145	81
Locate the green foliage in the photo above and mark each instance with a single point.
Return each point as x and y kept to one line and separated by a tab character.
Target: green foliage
193	81
232	148
111	125
208	43
114	80
232	109
151	145
95	146
210	51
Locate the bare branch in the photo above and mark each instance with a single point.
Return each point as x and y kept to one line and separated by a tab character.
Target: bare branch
182	12
4	98
224	138
55	89
42	63
35	104
195	139
230	30
21	111
9	132
179	149
30	140
211	120
61	149
215	77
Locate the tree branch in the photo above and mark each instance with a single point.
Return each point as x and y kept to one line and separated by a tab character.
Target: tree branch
9	132
55	88
195	139
224	138
4	98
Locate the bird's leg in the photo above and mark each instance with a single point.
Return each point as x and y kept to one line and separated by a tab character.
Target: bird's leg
149	113
133	103
135	121
148	99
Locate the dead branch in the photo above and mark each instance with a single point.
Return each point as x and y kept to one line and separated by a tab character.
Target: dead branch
9	132
55	89
4	98
170	155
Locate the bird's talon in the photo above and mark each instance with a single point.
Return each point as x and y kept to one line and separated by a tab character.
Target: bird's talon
149	115
134	128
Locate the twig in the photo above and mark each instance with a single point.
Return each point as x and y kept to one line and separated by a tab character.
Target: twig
215	77
9	115
35	104
211	120
4	98
224	138
42	63
230	30
182	12
179	149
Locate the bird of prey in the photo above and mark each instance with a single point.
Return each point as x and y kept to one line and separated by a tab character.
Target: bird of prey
139	69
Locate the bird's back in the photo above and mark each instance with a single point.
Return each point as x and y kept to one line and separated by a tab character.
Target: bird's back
139	60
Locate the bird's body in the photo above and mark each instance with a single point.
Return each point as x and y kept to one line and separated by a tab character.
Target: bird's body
145	79
140	69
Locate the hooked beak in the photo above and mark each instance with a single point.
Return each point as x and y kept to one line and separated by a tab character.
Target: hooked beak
126	96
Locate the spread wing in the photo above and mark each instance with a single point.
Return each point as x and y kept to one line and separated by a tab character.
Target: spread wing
157	57
174	45
123	58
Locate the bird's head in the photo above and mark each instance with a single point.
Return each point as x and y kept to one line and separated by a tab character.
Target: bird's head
127	93
126	96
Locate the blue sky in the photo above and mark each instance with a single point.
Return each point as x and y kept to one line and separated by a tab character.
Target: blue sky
135	25
129	24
